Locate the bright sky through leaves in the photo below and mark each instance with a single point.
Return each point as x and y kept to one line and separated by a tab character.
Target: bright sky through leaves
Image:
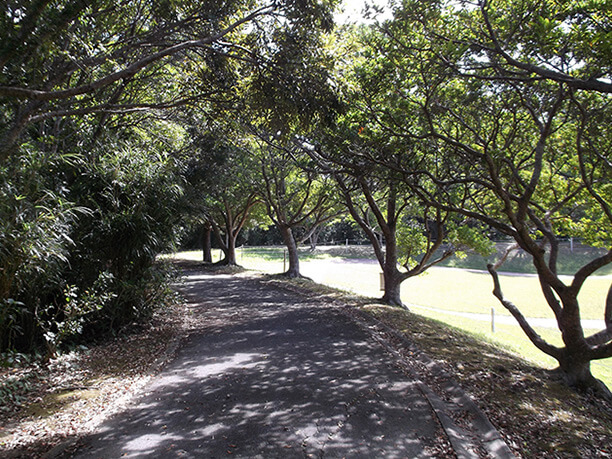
353	11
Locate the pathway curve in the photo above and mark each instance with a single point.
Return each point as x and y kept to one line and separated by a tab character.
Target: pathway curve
270	373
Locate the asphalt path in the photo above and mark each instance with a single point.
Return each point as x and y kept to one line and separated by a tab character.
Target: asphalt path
270	373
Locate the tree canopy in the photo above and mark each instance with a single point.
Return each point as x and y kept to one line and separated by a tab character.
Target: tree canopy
94	95
493	114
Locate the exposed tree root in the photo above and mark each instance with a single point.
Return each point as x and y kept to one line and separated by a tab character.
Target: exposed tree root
592	386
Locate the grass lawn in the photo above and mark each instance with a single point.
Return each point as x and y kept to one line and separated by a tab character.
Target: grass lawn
447	290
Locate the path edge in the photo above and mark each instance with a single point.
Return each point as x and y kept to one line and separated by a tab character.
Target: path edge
479	433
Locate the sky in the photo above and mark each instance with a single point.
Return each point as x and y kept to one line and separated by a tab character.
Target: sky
353	11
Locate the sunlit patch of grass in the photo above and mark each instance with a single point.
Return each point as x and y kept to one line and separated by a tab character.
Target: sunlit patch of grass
469	291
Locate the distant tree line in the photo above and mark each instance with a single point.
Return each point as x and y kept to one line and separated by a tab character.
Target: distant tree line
338	233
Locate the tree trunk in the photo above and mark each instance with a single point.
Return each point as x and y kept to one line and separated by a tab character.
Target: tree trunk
392	287
575	362
393	276
292	252
576	373
314	237
227	242
575	357
229	252
207	244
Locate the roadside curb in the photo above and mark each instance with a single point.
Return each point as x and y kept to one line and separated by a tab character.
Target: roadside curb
467	427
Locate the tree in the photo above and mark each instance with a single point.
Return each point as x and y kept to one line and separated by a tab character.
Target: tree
510	127
223	175
414	236
289	93
404	232
295	195
76	58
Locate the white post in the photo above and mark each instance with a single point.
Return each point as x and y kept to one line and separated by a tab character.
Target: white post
492	320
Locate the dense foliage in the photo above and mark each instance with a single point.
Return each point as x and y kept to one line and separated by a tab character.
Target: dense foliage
493	106
79	238
94	150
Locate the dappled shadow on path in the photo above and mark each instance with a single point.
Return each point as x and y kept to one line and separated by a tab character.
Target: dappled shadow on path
269	374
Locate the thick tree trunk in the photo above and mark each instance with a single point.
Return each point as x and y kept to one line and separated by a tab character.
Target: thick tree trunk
392	287
229	252
292	252
230	255
207	244
575	361
576	373
576	355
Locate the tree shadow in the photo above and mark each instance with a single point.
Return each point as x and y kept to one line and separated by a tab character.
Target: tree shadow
270	374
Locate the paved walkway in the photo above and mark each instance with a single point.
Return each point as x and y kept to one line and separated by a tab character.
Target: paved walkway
272	374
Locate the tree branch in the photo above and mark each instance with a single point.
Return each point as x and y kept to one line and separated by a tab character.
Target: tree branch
606	334
536	339
573	82
588	269
130	70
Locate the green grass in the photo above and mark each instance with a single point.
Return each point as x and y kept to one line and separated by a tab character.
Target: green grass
468	291
571	258
446	289
511	338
